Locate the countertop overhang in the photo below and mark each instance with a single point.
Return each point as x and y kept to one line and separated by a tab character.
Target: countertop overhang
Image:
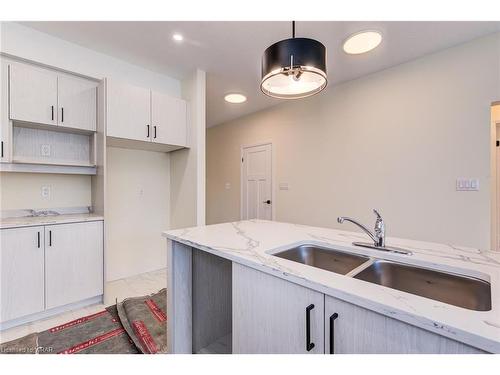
253	242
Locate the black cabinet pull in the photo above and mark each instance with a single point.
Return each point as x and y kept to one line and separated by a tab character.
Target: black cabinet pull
332	332
148	131
2	149
62	114
309	344
52	112
38	235
154	132
50	238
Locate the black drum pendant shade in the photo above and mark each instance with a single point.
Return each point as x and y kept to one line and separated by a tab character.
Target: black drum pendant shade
294	68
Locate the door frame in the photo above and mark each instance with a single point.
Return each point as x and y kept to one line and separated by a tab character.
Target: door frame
273	176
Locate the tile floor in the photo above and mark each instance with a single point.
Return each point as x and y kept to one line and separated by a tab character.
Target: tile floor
134	286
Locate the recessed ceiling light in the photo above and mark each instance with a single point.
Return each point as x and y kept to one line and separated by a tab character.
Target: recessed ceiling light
235	98
362	42
177	37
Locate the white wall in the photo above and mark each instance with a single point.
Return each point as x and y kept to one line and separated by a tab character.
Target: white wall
395	140
23	190
137	211
188	165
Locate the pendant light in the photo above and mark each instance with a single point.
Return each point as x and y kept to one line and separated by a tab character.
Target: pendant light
294	68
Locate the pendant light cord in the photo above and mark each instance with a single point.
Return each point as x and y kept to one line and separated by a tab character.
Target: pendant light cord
293	29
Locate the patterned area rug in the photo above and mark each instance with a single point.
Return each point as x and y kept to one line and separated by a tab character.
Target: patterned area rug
136	325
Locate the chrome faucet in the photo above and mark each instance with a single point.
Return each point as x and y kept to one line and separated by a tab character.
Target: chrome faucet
378	235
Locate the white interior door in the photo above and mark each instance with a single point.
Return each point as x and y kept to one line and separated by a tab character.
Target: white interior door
256	183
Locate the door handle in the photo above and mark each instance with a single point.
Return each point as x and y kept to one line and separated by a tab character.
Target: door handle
267	202
332	332
309	344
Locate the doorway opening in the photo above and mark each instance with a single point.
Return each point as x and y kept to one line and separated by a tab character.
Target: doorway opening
256	182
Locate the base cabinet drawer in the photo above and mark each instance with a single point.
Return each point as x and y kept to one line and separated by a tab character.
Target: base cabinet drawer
271	315
73	262
22	272
350	329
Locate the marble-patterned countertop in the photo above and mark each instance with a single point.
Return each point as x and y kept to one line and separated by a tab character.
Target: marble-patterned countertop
30	221
253	242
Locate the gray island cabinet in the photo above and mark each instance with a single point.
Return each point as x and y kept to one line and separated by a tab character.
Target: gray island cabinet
217	304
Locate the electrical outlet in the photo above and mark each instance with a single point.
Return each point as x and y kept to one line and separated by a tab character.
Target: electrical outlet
45	192
227	186
283	185
467	184
45	150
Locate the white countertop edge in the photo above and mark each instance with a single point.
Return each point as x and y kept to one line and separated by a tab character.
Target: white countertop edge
413	318
20	222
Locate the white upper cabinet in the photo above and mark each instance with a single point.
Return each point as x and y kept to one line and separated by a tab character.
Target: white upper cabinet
128	111
42	96
33	94
4	114
168	118
77	103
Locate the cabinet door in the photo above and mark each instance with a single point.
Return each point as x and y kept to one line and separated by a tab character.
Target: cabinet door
21	266
33	94
270	315
360	331
73	262
77	103
4	113
128	111
168	117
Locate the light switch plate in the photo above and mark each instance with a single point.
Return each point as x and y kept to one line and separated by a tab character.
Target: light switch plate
227	186
467	184
283	186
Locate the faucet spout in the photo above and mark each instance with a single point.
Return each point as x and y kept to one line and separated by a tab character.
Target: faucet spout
341	219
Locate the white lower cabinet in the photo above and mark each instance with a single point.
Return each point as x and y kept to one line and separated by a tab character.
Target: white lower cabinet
271	315
22	272
355	330
48	266
73	262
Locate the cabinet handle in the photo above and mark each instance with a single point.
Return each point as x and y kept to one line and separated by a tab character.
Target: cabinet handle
50	238
148	130
309	344
38	236
52	112
62	114
154	132
2	149
332	332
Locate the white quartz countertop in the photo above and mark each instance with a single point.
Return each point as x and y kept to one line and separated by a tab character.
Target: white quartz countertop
30	221
252	243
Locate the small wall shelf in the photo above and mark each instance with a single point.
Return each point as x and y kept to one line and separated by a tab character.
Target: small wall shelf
45	168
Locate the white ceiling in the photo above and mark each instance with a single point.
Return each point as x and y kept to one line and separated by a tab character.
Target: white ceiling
230	52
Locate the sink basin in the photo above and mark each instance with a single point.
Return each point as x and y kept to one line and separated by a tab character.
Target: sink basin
462	291
320	257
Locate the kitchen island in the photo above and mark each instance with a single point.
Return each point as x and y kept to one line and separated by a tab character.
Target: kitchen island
228	293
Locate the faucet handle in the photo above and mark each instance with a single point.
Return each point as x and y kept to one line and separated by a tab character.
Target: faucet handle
377	214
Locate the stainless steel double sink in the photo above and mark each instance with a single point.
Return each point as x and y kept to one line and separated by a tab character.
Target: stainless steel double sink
458	290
